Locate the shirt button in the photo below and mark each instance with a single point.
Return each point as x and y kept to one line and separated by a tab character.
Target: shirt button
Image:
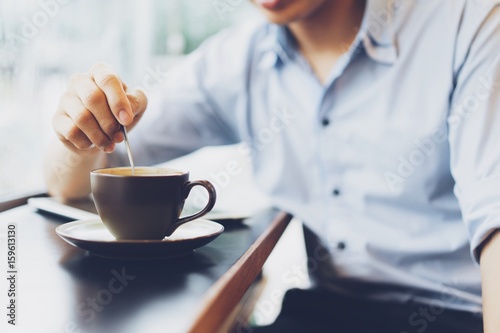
325	122
336	192
340	245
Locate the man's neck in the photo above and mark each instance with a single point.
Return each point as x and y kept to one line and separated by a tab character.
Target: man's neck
328	33
332	26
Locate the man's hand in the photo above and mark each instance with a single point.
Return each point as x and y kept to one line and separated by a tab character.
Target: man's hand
92	109
87	123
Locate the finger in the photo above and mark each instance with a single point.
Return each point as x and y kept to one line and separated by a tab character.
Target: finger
94	100
111	85
84	120
67	132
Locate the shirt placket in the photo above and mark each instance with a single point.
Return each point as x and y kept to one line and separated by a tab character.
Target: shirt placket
339	236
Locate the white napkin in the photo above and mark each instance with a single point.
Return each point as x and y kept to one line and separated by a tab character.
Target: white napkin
231	174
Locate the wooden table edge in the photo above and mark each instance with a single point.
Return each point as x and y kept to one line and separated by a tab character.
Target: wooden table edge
225	294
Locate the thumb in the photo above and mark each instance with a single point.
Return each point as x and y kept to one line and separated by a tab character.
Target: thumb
138	101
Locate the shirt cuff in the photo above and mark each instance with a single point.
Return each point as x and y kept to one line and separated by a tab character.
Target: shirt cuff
485	230
480	205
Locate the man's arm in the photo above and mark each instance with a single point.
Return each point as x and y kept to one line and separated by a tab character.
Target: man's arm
490	273
67	170
474	134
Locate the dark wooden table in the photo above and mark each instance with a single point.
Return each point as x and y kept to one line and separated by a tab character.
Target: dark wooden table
60	288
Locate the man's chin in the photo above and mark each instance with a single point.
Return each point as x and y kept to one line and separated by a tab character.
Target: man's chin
278	20
283	17
285	12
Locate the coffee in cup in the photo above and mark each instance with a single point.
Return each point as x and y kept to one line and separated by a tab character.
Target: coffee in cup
145	204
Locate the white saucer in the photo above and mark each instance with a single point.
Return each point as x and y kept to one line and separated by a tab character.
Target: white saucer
93	236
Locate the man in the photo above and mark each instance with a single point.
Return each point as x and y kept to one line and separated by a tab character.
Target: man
376	122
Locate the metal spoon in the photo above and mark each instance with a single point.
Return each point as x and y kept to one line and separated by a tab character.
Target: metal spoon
129	152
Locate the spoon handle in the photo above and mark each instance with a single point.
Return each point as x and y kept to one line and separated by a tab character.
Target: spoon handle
129	152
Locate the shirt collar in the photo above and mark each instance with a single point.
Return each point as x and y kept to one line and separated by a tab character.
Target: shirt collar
377	30
376	35
277	46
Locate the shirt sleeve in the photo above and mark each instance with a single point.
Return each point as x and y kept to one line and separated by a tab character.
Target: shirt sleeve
474	127
196	103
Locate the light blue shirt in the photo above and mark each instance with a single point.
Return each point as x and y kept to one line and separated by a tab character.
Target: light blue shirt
394	162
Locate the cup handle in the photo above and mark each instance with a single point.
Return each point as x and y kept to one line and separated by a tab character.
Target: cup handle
212	196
